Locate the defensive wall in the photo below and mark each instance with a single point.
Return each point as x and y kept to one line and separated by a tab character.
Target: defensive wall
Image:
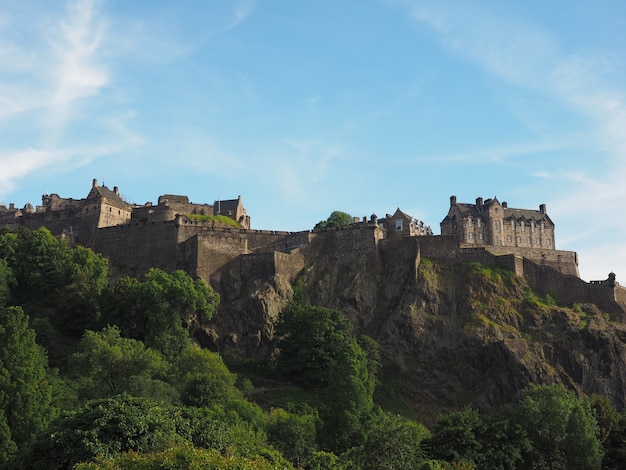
57	221
401	251
569	289
565	262
345	244
200	248
140	246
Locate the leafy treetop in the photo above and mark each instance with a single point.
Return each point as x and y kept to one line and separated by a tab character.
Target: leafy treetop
335	220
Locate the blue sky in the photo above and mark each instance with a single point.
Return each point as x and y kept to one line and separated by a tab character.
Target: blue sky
303	108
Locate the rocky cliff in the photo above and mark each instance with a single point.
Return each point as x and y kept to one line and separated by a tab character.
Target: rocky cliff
450	334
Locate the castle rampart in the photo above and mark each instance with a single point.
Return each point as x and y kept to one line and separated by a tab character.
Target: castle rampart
167	236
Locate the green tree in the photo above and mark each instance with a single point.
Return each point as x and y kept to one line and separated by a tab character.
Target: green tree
25	392
85	275
181	457
456	436
292	434
309	340
48	273
581	445
6	282
485	441
203	379
105	428
159	309
107	364
544	413
38	266
348	398
335	219
392	442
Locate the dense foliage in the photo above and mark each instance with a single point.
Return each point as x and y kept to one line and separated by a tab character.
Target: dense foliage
336	219
99	376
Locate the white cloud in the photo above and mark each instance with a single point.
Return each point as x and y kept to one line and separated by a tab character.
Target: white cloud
19	163
55	64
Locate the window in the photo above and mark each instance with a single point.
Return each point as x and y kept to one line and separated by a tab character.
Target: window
480	236
529	241
539	241
498	227
478	221
471	235
512	225
523	226
548	242
470	222
532	226
519	239
543	227
398	225
509	239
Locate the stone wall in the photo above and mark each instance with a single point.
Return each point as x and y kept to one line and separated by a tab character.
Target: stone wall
343	245
565	262
439	247
140	246
211	250
401	251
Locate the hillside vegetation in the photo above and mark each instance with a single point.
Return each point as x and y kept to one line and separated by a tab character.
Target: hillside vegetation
439	367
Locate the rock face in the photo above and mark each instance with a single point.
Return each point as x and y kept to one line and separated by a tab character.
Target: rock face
450	334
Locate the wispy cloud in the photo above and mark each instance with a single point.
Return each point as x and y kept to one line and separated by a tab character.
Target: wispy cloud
18	164
76	45
53	64
56	63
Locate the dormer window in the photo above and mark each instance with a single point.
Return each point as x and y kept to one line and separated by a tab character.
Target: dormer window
398	225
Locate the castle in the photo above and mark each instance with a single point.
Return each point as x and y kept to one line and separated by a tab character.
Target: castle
177	234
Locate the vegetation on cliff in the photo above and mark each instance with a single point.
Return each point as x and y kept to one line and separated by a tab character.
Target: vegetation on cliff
219	219
100	376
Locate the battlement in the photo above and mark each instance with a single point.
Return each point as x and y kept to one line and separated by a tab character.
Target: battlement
178	234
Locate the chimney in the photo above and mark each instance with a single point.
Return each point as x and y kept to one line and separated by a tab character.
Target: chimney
479	203
95	183
542	208
116	190
452	201
505	205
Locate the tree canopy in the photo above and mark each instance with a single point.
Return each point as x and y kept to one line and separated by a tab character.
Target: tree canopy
25	392
335	220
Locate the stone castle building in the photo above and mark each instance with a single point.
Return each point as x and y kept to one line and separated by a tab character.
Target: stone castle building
79	219
491	223
177	234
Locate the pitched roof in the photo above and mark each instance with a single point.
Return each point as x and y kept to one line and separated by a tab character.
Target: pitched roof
104	192
228	204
